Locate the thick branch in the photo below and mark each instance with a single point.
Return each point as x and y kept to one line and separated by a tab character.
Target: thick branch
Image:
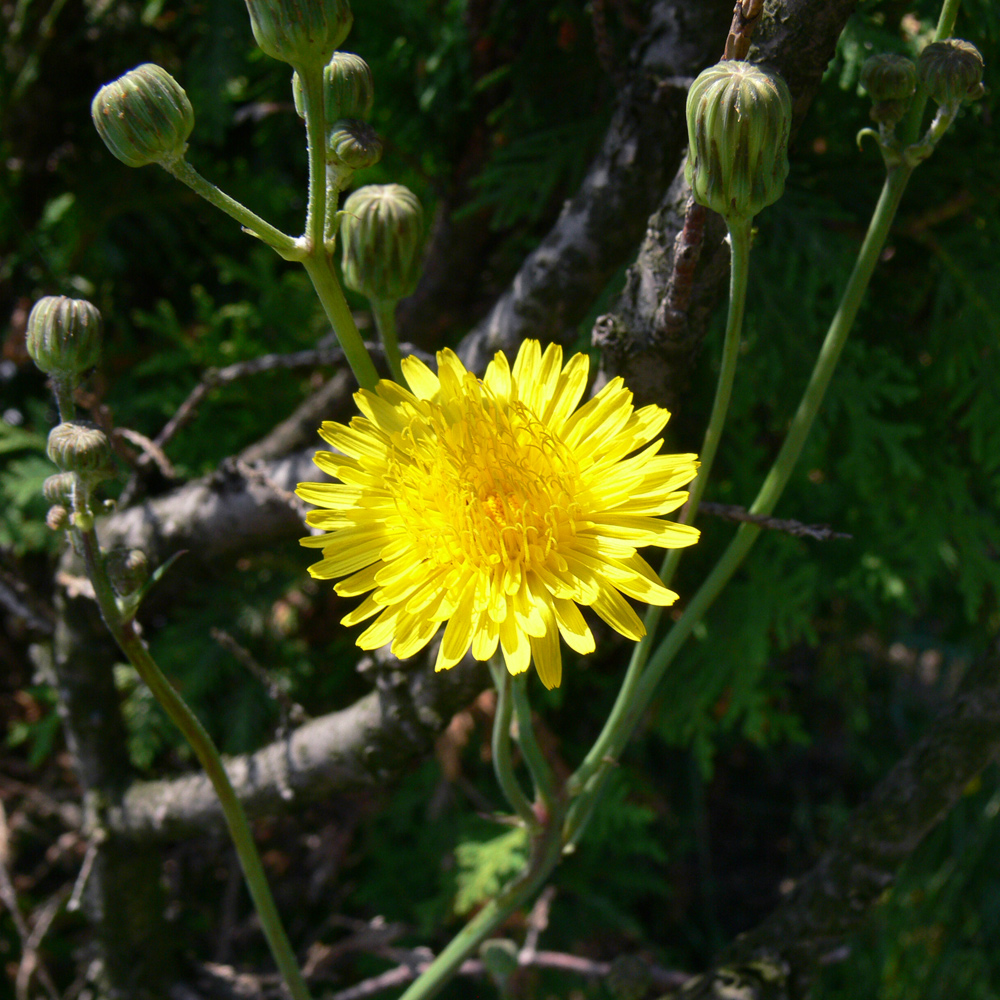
365	746
780	957
601	225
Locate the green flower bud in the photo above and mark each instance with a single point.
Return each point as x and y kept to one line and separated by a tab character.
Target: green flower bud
300	32
952	71
82	447
128	569
739	116
499	958
144	116
891	81
348	89
354	145
58	489
889	77
382	227
64	335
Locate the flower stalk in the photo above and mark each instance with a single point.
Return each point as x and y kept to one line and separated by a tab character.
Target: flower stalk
122	628
503	764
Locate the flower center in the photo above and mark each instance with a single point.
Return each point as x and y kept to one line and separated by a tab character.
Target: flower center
483	482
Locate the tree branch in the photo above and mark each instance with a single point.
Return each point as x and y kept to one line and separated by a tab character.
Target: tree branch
781	956
601	225
367	745
644	339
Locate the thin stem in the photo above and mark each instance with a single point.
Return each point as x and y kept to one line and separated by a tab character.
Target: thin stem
319	267
63	391
285	246
776	480
546	852
739	273
909	128
139	656
384	312
311	79
541	773
946	20
502	762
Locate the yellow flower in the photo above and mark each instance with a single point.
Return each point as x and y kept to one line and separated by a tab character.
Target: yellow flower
497	506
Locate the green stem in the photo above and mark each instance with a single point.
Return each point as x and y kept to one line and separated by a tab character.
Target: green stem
541	773
611	735
63	391
384	312
138	655
285	246
777	478
946	20
546	852
909	128
311	79
502	763
319	267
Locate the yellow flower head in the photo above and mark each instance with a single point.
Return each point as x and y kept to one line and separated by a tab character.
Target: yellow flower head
497	506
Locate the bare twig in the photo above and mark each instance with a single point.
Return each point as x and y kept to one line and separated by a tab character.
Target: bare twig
151	451
744	21
30	962
732	512
407	971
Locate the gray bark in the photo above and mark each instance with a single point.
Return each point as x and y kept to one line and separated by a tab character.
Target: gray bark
366	746
603	222
651	349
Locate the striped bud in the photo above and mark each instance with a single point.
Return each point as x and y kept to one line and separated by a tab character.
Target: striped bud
739	116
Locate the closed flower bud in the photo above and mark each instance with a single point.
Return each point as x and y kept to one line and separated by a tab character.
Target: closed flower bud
300	32
57	518
64	335
382	227
952	71
348	87
144	116
891	81
59	488
128	570
354	145
82	447
739	116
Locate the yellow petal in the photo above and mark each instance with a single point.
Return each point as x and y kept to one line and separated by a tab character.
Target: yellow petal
572	626
618	613
515	646
545	651
424	383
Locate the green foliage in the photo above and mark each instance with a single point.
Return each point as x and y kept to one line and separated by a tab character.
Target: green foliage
937	926
791	668
485	866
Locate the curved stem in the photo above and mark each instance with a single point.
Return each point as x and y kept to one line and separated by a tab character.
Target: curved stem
502	763
123	630
384	312
319	267
285	246
311	79
541	773
739	273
